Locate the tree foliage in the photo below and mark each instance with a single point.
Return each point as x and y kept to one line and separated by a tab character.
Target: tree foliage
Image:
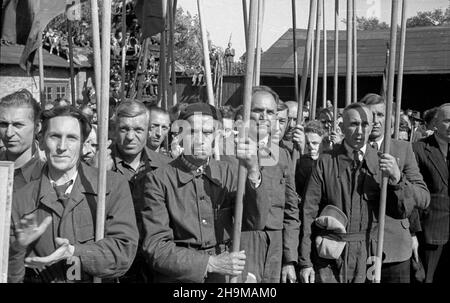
370	24
430	18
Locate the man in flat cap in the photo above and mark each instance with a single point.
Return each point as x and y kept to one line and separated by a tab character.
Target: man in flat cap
188	207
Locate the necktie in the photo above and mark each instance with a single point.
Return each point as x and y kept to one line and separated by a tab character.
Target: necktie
356	159
375	145
61	192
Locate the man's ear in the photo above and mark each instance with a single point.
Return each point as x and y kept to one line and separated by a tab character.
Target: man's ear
37	128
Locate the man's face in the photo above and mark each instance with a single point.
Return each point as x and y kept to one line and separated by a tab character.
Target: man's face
378	111
263	113
90	146
159	128
292	120
62	143
202	136
357	127
312	144
131	134
281	124
327	121
17	128
442	123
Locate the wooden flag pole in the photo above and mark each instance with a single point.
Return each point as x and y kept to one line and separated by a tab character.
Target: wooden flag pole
41	77
401	61
355	53
257	75
205	53
72	73
348	79
336	61
311	64
306	60
242	172
172	11
162	88
316	62
387	139
325	61
96	47
294	46
168	63
103	121
245	13
124	48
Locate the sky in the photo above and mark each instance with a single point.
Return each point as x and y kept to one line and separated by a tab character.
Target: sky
225	17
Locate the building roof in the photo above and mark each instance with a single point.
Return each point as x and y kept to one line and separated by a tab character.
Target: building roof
10	54
427	52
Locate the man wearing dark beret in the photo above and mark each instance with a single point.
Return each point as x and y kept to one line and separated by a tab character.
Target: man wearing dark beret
188	207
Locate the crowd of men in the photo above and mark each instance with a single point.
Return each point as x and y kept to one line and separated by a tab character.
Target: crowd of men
311	199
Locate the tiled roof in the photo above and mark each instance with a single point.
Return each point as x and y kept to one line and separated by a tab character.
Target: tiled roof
427	52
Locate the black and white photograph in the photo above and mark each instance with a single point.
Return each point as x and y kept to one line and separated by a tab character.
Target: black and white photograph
215	150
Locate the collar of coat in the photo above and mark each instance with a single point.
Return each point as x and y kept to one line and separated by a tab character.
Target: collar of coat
186	172
345	158
32	169
436	157
85	184
154	159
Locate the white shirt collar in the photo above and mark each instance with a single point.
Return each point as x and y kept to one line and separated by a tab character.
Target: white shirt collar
379	142
362	150
69	189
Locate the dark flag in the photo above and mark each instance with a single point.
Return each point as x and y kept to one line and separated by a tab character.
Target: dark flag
385	73
23	22
150	16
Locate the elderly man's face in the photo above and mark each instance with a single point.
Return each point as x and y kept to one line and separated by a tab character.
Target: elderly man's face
442	123
17	128
281	125
357	127
312	144
159	128
131	134
62	143
327	120
202	136
90	146
263	115
292	117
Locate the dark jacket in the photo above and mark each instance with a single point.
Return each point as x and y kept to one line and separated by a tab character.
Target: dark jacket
187	216
330	183
28	172
107	258
397	235
432	164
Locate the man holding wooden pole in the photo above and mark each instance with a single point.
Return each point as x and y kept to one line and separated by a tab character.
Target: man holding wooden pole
340	206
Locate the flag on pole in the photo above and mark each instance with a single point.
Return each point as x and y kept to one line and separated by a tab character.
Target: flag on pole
24	20
150	16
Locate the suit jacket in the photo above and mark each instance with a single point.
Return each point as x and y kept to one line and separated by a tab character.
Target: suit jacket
397	235
329	184
107	258
432	164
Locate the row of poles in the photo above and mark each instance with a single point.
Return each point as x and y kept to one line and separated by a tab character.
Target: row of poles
317	11
253	26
